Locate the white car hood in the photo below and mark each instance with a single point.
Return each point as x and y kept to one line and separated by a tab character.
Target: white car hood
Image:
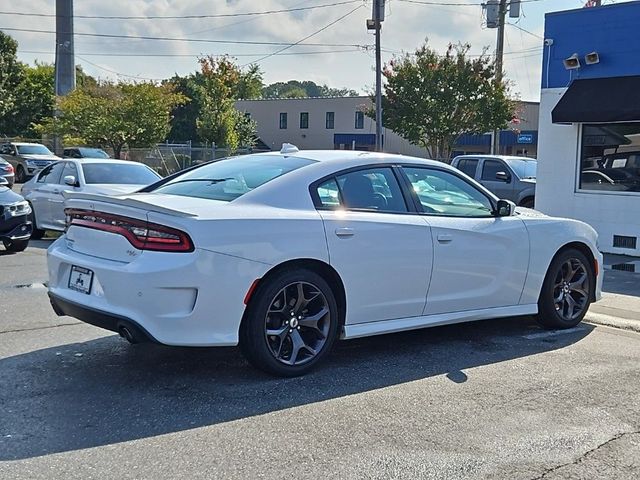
530	213
51	158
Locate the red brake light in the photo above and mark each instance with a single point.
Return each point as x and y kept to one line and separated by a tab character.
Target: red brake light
141	234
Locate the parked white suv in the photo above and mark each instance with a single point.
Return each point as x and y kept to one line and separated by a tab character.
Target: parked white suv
27	159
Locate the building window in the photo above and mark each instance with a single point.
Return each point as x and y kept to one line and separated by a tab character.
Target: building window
359	120
330	121
283	121
304	120
610	158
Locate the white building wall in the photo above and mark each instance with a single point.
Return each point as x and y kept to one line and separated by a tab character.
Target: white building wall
610	213
266	113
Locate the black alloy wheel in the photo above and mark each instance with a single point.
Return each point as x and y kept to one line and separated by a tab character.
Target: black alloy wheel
291	323
567	291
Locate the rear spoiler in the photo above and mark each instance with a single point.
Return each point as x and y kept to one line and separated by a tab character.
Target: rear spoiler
124	200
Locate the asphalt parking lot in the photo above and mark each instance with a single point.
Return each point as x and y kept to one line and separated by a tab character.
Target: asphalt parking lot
494	399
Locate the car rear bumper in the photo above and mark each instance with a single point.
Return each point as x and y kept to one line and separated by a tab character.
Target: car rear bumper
190	299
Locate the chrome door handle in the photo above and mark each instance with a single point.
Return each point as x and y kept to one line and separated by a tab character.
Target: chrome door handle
445	238
345	232
56	191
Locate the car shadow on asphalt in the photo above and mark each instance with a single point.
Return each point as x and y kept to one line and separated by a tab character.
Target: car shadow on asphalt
106	391
33	244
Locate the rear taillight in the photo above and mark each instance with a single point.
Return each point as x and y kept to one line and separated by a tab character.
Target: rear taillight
142	235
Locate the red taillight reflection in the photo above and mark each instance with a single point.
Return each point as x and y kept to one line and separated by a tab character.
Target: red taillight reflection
142	235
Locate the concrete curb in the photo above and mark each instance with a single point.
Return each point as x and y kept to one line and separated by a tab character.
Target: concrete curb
611	321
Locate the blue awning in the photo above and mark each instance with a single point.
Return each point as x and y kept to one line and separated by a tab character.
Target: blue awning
359	138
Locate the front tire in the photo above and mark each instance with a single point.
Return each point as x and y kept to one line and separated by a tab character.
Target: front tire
15	246
36	234
291	323
528	202
567	291
21	175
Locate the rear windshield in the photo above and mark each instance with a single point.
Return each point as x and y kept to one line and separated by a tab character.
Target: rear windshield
119	174
229	179
33	150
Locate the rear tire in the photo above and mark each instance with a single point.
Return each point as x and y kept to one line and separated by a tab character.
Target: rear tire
567	290
15	245
291	323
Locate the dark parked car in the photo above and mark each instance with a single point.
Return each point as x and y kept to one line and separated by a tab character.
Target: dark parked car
15	227
84	152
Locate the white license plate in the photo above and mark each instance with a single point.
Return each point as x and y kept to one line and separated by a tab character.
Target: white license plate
80	279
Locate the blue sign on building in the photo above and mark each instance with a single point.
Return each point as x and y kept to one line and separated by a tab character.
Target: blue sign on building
525	138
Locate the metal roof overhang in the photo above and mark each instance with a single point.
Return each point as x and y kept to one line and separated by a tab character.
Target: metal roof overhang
600	100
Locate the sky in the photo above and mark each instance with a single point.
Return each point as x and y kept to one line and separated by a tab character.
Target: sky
341	57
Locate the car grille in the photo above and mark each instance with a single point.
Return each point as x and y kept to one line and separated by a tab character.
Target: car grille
41	163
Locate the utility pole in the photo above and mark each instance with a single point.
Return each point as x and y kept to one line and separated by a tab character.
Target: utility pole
378	18
502	13
65	71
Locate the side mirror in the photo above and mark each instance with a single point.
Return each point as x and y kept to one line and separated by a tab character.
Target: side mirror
505	208
71	181
503	176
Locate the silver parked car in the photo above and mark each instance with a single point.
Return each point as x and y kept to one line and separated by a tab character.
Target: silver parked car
511	178
27	159
46	191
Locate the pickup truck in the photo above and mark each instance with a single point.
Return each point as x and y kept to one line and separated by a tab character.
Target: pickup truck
511	178
27	159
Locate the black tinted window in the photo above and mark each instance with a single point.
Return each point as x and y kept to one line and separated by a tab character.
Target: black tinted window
490	168
468	166
371	189
52	173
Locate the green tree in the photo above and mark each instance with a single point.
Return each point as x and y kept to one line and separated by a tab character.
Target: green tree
221	83
114	115
307	88
432	99
11	72
34	101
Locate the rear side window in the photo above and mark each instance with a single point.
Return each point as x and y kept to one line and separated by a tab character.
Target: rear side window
468	166
229	179
374	189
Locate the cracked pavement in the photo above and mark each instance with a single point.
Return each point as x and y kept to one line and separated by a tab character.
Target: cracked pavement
499	399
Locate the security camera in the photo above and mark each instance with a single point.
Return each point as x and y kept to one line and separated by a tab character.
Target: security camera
592	58
572	63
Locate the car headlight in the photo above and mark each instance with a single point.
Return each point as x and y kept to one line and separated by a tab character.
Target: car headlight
17	209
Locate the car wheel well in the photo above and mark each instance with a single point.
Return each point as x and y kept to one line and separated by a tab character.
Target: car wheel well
323	269
526	200
585	250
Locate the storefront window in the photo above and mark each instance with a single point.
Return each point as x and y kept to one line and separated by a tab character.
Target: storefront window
610	158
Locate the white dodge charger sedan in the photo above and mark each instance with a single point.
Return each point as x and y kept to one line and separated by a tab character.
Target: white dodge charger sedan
283	253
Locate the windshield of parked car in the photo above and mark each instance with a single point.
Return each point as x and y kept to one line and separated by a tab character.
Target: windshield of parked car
93	153
231	178
524	168
119	174
33	150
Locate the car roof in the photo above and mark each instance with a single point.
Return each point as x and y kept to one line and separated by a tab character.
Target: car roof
498	157
109	161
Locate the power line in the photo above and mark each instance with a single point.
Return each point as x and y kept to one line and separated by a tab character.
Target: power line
460	4
117	73
191	55
308	36
189	40
178	17
526	31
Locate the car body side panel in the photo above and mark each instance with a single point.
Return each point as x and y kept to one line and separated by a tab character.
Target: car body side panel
548	235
